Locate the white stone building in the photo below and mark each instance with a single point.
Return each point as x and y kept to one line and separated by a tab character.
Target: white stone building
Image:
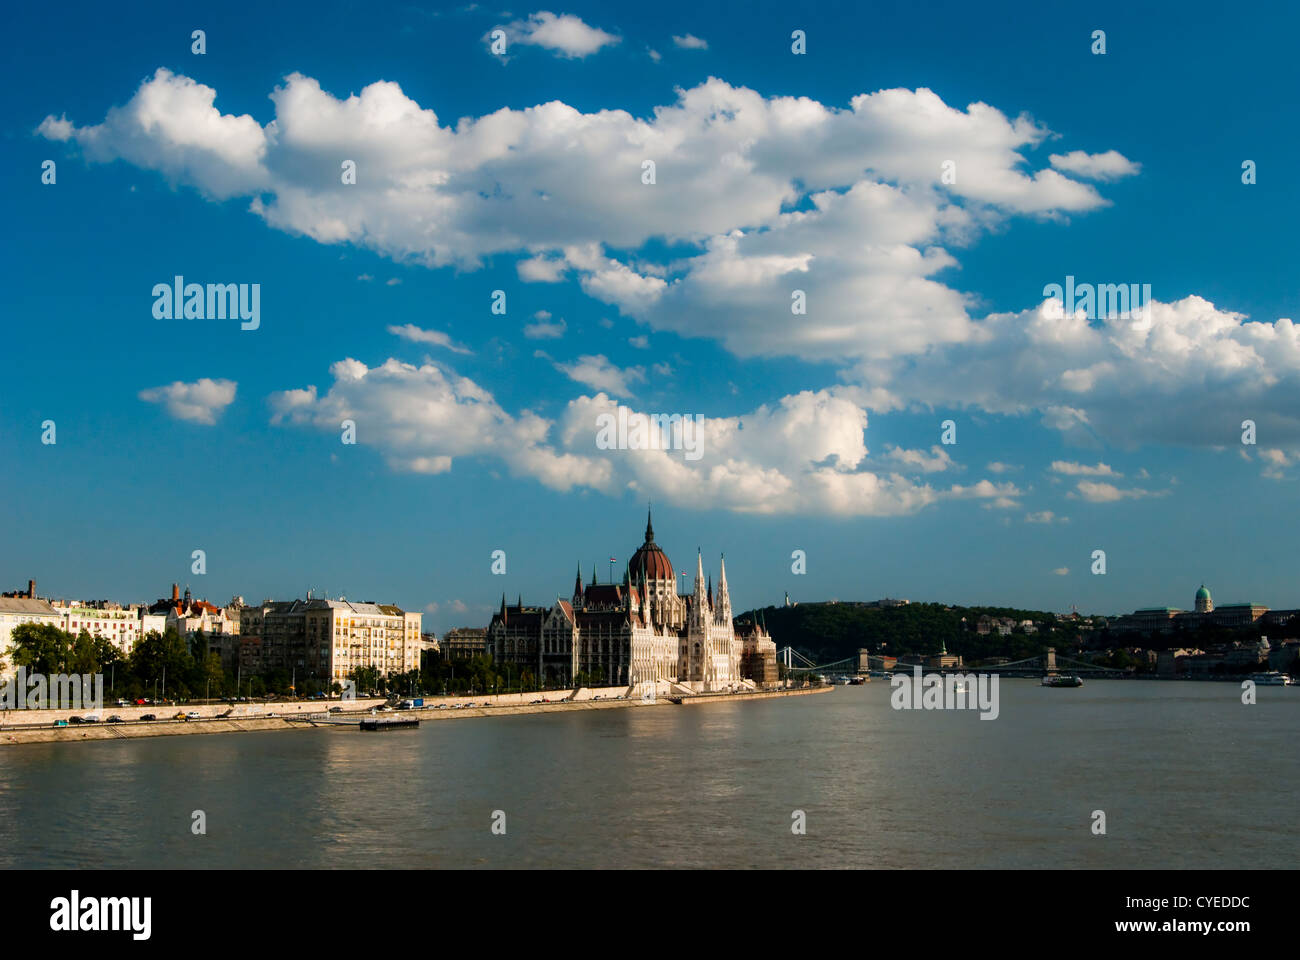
102	619
641	632
14	612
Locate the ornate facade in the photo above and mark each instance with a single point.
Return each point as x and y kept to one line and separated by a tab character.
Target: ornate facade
640	632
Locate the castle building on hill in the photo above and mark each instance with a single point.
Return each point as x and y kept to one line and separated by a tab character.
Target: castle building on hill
1169	619
638	632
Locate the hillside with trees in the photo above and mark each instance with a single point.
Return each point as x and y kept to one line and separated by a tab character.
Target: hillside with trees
827	632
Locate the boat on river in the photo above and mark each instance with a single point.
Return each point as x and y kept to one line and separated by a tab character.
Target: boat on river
1059	680
1271	678
390	723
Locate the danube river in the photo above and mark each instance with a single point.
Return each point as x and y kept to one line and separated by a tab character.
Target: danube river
1186	774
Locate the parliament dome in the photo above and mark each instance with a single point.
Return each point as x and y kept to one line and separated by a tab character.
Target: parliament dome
657	566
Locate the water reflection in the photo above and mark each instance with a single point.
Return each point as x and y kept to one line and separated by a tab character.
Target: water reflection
1173	765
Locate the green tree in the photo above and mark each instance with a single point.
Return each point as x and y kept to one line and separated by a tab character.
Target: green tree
166	654
41	648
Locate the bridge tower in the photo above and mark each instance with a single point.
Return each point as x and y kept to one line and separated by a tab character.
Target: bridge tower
1050	659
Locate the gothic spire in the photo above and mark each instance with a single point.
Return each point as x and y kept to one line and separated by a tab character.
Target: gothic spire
649	527
699	611
724	597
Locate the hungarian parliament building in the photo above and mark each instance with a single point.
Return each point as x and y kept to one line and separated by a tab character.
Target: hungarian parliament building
639	633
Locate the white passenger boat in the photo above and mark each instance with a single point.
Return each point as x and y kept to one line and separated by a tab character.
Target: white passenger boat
1271	678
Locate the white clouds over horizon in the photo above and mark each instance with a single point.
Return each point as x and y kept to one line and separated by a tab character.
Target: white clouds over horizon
1188	374
805	454
422	418
762	196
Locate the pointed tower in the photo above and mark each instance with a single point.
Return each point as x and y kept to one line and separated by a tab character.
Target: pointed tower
722	613
701	615
700	612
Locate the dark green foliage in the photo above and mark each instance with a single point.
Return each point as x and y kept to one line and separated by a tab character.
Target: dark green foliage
827	632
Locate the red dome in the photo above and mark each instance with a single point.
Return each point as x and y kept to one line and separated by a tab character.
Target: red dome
657	564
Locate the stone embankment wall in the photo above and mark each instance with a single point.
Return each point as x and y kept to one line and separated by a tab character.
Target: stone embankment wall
314	715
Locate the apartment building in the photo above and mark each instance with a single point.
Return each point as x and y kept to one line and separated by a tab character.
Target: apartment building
14	612
328	639
101	619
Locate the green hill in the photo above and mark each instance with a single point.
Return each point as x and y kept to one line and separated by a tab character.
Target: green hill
832	631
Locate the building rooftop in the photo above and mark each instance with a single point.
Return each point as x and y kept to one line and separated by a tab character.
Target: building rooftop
27	605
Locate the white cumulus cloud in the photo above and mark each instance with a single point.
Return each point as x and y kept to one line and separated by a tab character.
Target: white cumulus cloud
1111	165
200	402
565	35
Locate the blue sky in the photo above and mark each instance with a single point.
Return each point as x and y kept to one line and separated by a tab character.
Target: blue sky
476	431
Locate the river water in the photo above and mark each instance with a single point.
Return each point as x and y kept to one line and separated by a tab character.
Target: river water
1186	775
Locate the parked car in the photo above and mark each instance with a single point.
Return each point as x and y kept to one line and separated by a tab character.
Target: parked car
90	718
114	719
336	709
193	715
180	715
149	716
143	702
60	723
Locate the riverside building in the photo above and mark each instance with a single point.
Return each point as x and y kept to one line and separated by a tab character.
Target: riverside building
16	609
640	632
328	639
